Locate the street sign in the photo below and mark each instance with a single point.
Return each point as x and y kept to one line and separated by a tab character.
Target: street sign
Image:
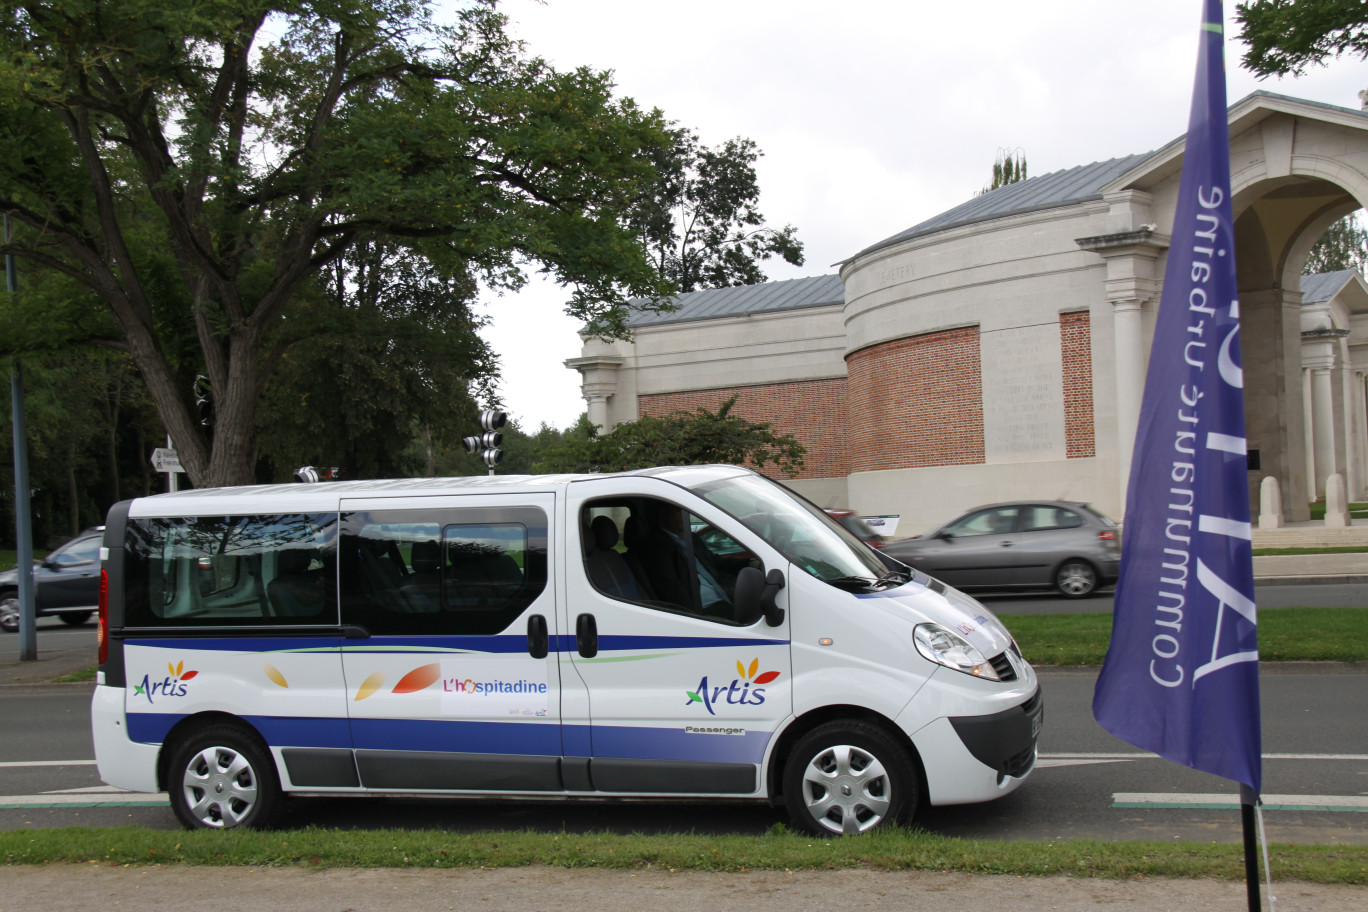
164	460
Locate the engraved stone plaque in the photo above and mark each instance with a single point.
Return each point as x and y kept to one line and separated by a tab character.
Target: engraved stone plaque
1023	394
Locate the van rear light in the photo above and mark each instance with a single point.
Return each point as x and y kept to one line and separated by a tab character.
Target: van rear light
102	631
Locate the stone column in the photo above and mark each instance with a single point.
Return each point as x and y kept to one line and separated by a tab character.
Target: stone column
1308	431
1131	285
1323	425
1130	378
1319	356
599	381
1358	456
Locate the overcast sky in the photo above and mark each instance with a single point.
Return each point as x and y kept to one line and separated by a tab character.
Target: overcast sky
873	115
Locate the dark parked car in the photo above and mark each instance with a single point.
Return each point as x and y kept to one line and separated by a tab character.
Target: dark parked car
1033	544
66	584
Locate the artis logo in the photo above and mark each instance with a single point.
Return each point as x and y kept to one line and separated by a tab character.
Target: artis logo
741	691
173	685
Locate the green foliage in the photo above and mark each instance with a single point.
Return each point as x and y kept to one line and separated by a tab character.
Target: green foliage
1343	246
192	170
1285	635
778	849
91	428
699	221
1285	37
700	437
376	368
1008	168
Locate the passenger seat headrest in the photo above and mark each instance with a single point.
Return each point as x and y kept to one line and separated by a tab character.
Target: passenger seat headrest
426	556
605	533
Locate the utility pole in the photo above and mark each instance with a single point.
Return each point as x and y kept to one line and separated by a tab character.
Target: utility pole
23	516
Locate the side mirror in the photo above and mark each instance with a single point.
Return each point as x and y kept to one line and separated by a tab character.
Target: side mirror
755	597
946	535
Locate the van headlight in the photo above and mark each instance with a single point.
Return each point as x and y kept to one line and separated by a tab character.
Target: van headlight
946	647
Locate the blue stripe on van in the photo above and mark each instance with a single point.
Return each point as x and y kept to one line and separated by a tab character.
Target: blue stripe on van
239	644
614	643
690	743
543	739
502	643
279	731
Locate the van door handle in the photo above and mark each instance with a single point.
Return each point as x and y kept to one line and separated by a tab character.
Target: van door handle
586	635
538	643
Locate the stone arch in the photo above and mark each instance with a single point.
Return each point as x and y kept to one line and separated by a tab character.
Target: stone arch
1277	222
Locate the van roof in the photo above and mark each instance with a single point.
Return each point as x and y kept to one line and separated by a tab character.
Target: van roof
324	495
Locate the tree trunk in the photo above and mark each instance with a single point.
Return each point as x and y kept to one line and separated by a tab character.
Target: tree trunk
112	436
233	435
73	496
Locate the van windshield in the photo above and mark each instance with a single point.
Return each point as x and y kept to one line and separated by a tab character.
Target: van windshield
800	531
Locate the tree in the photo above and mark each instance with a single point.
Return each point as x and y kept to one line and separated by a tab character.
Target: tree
390	372
699	437
195	167
700	221
1343	246
1285	37
1008	168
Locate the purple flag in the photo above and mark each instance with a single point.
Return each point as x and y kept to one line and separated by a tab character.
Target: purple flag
1181	676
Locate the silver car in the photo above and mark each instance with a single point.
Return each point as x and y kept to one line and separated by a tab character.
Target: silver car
1023	545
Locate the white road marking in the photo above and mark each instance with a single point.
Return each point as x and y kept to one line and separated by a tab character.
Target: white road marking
122	799
1212	801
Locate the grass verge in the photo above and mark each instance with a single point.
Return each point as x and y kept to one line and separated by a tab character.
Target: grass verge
1285	635
1265	552
777	850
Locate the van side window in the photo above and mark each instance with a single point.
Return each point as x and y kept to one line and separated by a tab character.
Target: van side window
659	555
245	571
441	572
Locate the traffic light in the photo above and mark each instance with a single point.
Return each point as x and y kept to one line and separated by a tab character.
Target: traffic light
204	400
487	443
311	474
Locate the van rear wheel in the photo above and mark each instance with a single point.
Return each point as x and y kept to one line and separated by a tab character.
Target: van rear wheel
845	778
223	776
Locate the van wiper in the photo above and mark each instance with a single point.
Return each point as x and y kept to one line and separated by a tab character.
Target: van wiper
855	583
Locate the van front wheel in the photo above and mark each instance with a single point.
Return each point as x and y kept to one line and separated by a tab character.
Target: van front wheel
222	776
847	778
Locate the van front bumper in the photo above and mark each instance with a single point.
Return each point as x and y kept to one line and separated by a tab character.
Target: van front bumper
1004	741
969	759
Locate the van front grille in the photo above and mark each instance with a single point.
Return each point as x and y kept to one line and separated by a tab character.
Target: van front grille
1003	667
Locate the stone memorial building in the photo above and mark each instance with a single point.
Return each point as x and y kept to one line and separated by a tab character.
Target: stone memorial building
997	351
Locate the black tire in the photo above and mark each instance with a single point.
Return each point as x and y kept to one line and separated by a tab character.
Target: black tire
1076	578
223	776
844	778
77	619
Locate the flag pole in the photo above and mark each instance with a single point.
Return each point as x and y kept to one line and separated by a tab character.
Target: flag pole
1181	676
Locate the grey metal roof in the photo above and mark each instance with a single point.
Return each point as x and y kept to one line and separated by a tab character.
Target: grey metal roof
1325	285
1059	188
790	294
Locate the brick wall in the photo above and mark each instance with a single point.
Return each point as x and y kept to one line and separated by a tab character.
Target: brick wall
810	410
1075	340
917	402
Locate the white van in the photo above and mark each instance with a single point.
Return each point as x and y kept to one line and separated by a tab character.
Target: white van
676	632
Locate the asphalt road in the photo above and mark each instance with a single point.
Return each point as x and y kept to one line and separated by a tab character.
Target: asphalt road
1315	743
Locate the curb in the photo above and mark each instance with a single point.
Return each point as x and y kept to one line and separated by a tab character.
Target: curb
1343	579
